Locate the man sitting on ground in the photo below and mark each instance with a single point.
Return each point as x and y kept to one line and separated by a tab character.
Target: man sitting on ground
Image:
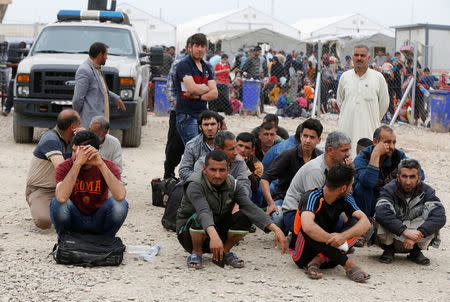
408	215
205	222
226	142
110	148
313	174
245	149
286	165
83	183
53	148
266	139
317	245
376	166
362	144
273	118
199	145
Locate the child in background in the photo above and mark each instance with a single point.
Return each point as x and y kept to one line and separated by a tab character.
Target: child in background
275	94
236	105
283	101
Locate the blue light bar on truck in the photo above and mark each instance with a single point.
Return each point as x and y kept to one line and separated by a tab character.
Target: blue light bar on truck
97	15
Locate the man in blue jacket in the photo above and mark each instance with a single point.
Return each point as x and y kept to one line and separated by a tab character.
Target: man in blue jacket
376	166
408	215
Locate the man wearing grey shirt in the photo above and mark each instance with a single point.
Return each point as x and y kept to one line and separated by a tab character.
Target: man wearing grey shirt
205	222
109	145
313	174
226	142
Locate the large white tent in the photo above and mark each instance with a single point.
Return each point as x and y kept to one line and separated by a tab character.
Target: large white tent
340	25
232	23
231	42
150	29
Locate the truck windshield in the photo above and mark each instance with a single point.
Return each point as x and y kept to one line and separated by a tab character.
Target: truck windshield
78	39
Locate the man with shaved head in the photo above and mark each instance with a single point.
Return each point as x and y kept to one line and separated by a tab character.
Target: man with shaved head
53	148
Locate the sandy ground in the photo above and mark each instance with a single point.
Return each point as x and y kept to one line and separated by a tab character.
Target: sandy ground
28	273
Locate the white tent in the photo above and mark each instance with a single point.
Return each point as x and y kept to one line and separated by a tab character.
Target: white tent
233	22
231	42
150	29
340	25
343	44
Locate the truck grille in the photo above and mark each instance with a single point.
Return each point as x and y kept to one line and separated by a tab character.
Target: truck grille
50	83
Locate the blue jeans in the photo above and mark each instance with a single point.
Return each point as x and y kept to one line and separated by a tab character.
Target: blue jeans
106	220
278	218
289	219
187	127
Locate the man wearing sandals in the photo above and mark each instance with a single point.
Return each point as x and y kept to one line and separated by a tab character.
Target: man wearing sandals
408	215
205	222
317	245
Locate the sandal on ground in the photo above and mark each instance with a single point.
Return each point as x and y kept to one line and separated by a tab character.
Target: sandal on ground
387	257
418	258
360	242
194	259
357	275
313	271
232	260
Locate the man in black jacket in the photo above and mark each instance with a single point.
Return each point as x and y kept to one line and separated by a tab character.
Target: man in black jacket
408	215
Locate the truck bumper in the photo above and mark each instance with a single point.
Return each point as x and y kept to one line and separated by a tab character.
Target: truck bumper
42	113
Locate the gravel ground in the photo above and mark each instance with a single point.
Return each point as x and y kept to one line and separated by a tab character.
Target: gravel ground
28	272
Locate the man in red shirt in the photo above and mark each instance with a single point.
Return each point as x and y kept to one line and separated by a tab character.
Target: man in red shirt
83	183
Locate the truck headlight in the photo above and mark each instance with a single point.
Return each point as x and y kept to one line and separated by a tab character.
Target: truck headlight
126	94
23	91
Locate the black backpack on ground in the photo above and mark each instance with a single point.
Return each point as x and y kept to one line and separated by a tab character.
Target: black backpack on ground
161	190
83	249
169	219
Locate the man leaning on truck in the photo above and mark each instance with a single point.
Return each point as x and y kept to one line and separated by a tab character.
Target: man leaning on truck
91	96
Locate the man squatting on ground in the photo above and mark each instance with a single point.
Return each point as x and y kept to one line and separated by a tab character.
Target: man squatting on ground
317	245
205	222
53	148
286	165
208	124
313	174
110	148
83	183
408	215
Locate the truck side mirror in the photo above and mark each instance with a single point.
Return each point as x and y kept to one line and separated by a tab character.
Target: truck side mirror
156	56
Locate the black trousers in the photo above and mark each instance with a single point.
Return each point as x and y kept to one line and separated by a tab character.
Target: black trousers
174	147
306	249
10	96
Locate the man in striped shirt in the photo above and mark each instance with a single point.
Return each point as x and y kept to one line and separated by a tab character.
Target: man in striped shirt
317	245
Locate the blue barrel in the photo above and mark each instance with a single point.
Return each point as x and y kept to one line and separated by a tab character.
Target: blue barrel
161	105
440	110
250	96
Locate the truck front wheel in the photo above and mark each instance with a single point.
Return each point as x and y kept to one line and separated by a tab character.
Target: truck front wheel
22	134
131	137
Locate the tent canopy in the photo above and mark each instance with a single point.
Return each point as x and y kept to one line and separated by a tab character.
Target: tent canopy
233	22
347	24
232	41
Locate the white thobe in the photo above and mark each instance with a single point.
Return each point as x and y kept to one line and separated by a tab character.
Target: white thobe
363	101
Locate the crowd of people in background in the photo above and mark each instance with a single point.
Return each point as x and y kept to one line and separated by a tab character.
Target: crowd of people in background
288	80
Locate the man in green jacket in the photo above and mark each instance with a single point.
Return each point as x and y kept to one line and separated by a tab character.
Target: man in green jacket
205	222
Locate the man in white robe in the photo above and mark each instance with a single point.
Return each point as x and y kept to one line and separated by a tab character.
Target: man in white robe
362	97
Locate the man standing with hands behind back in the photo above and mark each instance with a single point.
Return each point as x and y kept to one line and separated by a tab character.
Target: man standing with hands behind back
91	96
362	97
